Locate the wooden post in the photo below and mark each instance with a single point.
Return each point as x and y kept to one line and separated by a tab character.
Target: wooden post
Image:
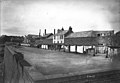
45	46
75	48
107	53
64	48
83	49
95	50
68	48
55	47
59	47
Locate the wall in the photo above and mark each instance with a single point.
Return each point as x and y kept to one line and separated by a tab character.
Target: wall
14	71
58	39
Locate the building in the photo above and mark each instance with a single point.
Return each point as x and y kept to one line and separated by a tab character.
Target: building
44	40
30	38
91	42
59	37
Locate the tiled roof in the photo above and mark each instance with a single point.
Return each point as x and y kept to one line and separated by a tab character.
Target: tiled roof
32	35
80	34
44	41
48	34
51	37
80	41
107	31
38	41
48	41
61	32
106	40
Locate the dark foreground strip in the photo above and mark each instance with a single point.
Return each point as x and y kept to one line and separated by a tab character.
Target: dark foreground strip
101	77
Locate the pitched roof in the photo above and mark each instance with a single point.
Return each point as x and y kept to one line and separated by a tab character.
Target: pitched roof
61	32
32	35
80	34
51	37
48	34
44	41
80	41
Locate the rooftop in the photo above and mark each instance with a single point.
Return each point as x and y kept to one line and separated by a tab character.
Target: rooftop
46	35
87	33
61	32
80	34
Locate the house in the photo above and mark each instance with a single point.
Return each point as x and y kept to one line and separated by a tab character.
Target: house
44	40
56	40
47	41
59	37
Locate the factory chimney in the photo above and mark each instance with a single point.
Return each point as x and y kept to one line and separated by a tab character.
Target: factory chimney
39	32
45	31
54	31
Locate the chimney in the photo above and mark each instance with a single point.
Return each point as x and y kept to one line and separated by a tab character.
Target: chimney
70	28
62	29
39	32
45	31
54	31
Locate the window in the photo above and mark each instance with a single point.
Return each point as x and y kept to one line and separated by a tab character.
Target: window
61	37
98	35
102	34
57	41
61	41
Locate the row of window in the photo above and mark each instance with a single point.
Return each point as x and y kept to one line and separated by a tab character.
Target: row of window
103	34
58	42
61	37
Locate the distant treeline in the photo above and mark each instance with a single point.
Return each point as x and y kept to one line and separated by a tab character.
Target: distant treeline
5	38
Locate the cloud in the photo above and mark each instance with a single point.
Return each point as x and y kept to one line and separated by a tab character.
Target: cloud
27	16
112	11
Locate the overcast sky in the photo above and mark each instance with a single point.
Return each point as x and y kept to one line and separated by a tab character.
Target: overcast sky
21	17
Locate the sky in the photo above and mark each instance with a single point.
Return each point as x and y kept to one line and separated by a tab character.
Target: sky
22	17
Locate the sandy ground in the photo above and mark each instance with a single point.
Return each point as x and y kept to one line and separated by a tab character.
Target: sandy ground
49	62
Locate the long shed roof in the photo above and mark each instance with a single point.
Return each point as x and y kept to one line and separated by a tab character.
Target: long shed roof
80	34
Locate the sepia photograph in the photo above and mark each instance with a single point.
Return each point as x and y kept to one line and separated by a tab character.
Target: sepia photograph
59	41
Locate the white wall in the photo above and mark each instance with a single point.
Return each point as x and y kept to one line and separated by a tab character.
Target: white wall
57	39
72	48
80	49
